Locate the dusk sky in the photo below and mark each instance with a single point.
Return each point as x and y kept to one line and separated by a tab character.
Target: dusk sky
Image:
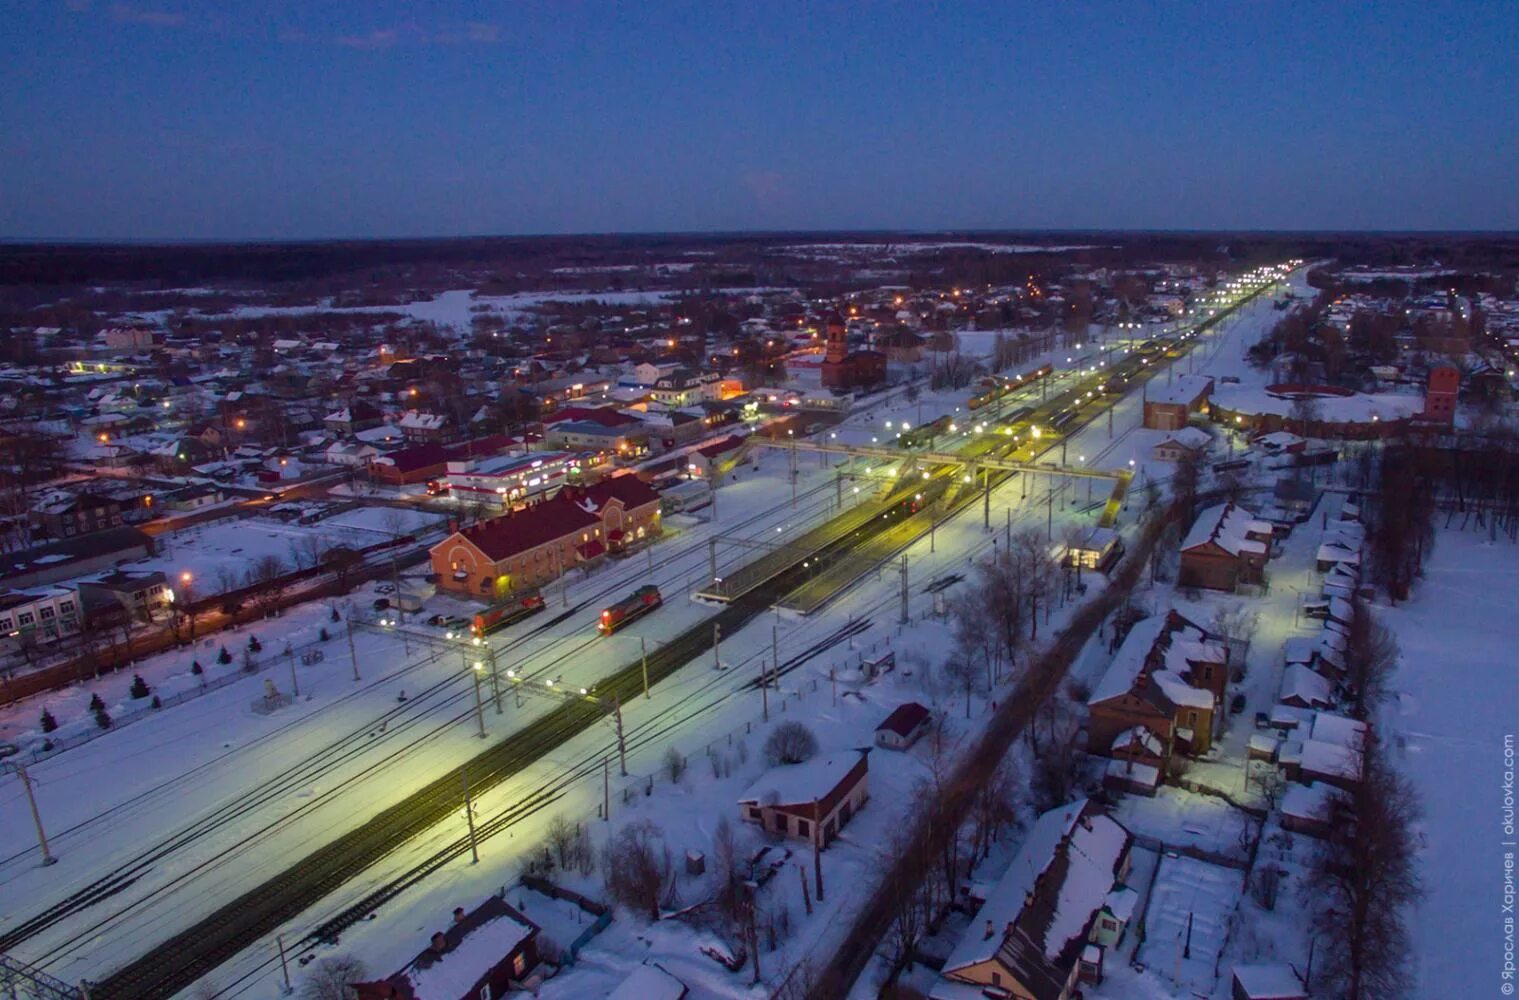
266	119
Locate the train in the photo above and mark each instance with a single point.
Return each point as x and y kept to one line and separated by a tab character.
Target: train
924	435
630	608
1002	387
501	615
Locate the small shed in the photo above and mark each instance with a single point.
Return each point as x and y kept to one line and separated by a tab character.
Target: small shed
1274	981
902	728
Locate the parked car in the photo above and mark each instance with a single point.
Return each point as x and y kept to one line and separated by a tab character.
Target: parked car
1262	720
1237	704
382	604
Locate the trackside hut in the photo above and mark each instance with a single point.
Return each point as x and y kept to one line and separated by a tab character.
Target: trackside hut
812	800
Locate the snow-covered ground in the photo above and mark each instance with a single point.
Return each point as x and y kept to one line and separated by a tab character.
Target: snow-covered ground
1448	723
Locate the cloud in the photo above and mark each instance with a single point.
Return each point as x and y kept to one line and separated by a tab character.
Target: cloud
380	38
141	15
483	33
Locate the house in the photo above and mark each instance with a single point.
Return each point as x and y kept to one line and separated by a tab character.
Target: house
1179	445
361	415
482	954
354	454
1267	982
123	595
1440	394
812	800
1226	547
1303	688
193	497
628	507
410	466
1139	756
64	514
649	982
1306	809
902	728
1173	406
684	387
417	425
625	440
1165	687
1046	925
1280	443
1295	496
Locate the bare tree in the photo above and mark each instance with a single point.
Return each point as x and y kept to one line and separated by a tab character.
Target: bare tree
1364	881
1371	655
966	674
393	522
993	809
637	866
790	743
334	978
306	551
265	580
342	561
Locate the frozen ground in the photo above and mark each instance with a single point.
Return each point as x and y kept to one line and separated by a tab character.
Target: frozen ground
1448	724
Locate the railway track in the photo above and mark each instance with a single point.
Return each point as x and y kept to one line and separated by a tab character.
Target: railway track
176	963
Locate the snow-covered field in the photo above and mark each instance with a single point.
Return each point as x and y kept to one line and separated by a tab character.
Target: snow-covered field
1448	724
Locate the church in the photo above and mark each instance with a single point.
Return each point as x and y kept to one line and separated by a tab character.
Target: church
846	369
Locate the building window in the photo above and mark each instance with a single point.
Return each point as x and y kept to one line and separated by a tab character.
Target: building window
754	812
1109	924
5	624
803	828
46	612
780	822
25	618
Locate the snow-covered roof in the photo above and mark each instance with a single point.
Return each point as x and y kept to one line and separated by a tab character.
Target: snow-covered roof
1269	982
1192	438
1184	389
649	982
1079	847
1130	659
1310	801
456	971
1303	685
1331	759
1339	729
794	784
1229	526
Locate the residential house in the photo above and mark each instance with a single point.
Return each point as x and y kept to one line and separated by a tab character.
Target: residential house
812	800
410	466
483	954
649	982
360	415
1180	445
65	513
418	426
1166	683
1094	548
1226	547
684	387
1267	982
353	454
123	595
1047	925
904	726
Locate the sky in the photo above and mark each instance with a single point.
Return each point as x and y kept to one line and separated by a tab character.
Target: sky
267	119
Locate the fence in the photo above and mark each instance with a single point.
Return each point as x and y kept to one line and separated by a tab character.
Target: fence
600	911
19	981
50	746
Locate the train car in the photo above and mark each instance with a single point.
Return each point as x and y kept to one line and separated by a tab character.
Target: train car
1001	387
922	437
1020	414
630	608
507	612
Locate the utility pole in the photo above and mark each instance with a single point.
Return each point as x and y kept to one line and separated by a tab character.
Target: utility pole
833	682
622	746
717	635
606	790
1008	532
904	617
643	655
775	645
817	849
395	579
712	561
11	750
1049	530
352	655
479	706
764	691
564	590
279	942
986	499
469	817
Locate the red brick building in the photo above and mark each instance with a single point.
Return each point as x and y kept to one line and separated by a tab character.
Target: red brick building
846	369
1440	394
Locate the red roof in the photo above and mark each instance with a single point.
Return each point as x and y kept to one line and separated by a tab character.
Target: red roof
419	457
606	416
632	491
482	447
505	536
721	446
904	719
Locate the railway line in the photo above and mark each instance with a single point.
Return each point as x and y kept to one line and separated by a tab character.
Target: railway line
193	952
